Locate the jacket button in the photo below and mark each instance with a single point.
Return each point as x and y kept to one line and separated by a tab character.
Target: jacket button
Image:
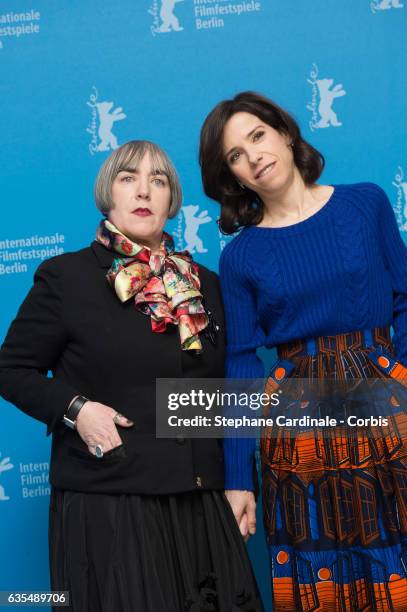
199	481
179	439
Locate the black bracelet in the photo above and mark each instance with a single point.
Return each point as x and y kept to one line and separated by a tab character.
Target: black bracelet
74	409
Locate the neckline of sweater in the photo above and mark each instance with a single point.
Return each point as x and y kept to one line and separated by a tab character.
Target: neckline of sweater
307	223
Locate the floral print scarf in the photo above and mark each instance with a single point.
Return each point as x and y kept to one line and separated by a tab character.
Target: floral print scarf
165	286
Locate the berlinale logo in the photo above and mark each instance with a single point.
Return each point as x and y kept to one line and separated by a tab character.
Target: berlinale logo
385	5
323	97
400	209
186	234
102	120
164	18
5	465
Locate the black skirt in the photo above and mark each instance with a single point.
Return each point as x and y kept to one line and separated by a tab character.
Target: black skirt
176	553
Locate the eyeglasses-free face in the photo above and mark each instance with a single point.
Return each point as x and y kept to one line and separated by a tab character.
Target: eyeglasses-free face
258	155
141	199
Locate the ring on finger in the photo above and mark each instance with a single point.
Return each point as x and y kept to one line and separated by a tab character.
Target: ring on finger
99	451
116	417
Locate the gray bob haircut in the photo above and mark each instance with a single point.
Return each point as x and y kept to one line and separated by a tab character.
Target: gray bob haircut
128	157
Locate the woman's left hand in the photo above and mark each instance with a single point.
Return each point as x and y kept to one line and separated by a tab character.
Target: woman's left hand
243	504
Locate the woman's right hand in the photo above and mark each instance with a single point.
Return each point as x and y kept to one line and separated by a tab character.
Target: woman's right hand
243	505
95	426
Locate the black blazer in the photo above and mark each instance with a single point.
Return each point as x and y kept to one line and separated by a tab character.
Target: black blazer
73	324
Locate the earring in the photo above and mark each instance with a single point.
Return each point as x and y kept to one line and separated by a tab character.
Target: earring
240	184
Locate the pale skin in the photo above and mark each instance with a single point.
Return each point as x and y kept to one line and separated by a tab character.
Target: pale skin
261	159
141	200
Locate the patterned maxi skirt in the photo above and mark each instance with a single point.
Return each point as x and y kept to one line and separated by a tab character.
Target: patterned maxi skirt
335	499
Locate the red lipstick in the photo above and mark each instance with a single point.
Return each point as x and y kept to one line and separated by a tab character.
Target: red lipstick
142	212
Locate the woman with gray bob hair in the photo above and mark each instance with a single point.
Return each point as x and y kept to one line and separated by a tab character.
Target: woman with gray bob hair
128	157
136	522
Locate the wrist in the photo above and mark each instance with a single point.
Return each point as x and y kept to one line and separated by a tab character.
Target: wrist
71	415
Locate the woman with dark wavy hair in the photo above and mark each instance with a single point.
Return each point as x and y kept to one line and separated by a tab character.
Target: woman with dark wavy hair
318	272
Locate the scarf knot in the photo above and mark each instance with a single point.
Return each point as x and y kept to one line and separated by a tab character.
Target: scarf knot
164	285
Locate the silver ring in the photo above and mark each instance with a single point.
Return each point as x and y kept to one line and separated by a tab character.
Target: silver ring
116	416
99	451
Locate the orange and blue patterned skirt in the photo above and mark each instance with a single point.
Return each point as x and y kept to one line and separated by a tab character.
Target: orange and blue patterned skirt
335	499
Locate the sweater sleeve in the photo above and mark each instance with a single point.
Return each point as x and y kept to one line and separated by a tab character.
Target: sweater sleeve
244	335
395	258
34	342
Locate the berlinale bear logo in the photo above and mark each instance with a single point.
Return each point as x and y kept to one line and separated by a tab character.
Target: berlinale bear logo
400	208
193	243
323	96
385	5
106	118
164	18
101	125
5	465
186	235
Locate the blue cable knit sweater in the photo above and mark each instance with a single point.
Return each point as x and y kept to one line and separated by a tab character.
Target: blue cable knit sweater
342	269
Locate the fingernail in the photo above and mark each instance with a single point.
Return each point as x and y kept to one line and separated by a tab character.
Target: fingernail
130	422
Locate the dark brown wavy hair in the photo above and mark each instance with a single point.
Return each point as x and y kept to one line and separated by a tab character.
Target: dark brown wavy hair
241	207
